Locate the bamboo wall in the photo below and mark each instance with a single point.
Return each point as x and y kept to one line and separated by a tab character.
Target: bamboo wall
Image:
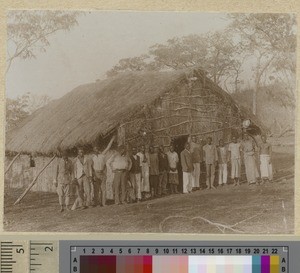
21	174
195	107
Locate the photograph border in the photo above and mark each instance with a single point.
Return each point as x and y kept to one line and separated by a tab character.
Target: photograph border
172	6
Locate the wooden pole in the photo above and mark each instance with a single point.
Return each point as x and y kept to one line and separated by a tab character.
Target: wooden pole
12	162
33	181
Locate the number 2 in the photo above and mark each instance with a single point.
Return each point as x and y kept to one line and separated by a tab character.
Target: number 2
48	248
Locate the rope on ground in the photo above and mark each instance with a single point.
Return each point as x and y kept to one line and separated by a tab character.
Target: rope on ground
221	227
247	219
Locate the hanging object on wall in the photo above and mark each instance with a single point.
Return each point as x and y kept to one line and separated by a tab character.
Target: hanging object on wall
31	161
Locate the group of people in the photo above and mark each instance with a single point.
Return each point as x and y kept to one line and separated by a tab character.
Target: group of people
143	174
223	157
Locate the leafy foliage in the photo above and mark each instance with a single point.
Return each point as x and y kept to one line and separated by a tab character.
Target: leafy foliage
265	42
28	31
214	52
20	108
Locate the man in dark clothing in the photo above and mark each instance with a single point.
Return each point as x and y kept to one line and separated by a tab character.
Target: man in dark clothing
163	171
153	171
135	174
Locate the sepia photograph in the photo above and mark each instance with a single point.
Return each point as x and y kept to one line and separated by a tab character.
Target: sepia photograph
150	122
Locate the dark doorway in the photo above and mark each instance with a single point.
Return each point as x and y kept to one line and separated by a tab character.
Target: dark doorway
179	147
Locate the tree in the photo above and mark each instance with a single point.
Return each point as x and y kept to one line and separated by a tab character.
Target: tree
130	64
214	52
28	31
267	38
23	106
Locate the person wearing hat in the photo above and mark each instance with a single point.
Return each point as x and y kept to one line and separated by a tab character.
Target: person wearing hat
62	180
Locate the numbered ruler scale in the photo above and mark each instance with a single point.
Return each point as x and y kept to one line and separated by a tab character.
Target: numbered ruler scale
29	256
239	259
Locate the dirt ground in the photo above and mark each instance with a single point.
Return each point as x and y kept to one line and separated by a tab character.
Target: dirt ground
264	209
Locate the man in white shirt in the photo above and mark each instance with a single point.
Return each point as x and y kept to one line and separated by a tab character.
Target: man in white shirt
234	150
120	165
173	160
99	174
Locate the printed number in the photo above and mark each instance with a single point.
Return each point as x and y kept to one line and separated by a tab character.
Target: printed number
220	251
247	250
93	251
139	250
20	250
274	251
48	248
229	250
147	250
184	251
193	251
156	250
111	251
202	250
120	251
129	250
102	250
265	251
256	251
174	250
166	251
238	251
211	251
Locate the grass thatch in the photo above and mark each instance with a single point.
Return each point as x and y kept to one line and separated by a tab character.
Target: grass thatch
91	110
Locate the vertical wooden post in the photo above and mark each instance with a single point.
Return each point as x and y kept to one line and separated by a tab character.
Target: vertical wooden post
12	162
34	181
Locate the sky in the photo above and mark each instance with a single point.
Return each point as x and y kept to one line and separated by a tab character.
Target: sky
100	40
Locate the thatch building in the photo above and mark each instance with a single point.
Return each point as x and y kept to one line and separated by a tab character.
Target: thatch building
141	107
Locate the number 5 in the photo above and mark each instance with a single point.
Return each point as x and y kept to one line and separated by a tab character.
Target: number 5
20	250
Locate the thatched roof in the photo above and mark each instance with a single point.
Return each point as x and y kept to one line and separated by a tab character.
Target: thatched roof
90	110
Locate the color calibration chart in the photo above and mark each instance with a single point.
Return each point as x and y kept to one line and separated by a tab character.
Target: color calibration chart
179	259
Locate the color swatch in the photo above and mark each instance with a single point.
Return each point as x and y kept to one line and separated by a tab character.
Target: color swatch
179	264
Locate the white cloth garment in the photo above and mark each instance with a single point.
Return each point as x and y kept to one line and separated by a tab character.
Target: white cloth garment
187	182
266	169
223	173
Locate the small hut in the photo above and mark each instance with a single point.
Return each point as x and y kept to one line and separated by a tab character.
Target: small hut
154	108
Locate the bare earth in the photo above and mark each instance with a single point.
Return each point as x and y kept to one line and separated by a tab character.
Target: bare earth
264	209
